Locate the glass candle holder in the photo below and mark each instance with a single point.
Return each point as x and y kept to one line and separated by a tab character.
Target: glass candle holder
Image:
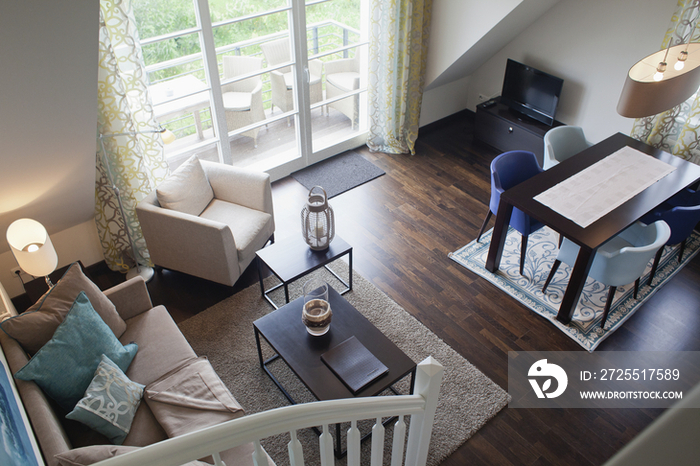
316	313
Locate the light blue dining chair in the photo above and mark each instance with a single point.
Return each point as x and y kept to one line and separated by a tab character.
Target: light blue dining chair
619	261
508	170
562	142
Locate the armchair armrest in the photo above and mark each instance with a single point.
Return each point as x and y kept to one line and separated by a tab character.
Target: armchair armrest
248	188
316	67
130	298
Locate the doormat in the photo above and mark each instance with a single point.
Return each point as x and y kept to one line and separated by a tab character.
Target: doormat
338	174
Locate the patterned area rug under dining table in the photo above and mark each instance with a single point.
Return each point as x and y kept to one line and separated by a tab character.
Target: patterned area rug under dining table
542	248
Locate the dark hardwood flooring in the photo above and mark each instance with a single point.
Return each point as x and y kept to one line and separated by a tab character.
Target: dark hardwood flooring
402	226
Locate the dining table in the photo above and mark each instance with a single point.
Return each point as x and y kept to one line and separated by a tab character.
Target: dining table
596	231
180	96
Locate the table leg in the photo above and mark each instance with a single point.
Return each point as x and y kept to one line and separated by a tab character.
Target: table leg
257	342
498	238
350	273
286	292
198	124
260	275
576	283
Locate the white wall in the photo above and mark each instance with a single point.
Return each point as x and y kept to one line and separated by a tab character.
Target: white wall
591	45
48	124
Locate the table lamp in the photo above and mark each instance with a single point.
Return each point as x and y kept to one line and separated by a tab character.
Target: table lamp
32	248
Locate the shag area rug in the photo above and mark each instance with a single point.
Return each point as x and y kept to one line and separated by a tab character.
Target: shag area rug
224	333
542	249
338	174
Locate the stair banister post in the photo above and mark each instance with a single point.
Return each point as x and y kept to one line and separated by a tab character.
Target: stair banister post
428	379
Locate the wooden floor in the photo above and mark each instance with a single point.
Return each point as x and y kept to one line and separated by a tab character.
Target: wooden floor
402	226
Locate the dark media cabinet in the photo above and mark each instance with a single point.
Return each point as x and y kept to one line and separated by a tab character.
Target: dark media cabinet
504	129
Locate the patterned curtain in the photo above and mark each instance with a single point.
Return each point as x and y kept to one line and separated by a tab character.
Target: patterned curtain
677	130
398	46
136	162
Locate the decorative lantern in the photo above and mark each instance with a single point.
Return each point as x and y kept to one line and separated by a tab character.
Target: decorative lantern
317	220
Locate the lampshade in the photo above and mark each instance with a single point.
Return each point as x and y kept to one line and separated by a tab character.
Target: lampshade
643	96
32	247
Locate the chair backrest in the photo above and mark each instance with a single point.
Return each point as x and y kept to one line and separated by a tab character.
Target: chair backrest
276	51
562	142
621	267
510	169
682	220
235	65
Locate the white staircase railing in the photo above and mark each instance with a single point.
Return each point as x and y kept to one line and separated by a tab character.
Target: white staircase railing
289	419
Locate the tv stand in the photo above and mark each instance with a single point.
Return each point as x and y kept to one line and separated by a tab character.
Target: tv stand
504	129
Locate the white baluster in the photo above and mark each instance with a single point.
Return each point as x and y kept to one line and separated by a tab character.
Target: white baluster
377	443
259	456
397	444
353	444
326	447
296	454
217	459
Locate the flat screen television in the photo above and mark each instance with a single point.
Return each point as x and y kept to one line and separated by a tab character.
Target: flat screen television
531	92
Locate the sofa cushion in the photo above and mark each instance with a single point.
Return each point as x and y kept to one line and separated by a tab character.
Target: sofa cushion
93	454
247	226
187	189
34	327
110	402
64	366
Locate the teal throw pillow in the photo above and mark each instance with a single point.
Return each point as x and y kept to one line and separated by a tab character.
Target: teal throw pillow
110	402
64	366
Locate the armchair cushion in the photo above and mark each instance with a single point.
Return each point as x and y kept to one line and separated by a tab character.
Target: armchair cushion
251	228
348	81
237	101
187	189
35	327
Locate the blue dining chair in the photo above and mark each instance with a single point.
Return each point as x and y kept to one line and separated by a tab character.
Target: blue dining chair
562	142
620	260
508	170
682	213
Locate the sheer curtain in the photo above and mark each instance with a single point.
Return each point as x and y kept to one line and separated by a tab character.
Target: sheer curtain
136	162
677	130
398	46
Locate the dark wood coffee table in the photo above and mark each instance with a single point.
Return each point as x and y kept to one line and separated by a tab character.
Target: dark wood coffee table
287	335
291	258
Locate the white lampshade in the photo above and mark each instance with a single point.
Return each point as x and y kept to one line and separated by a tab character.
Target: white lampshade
32	247
643	96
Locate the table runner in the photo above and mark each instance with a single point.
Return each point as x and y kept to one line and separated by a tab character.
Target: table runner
599	189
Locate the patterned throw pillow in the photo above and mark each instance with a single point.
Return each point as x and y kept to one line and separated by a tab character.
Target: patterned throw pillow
110	402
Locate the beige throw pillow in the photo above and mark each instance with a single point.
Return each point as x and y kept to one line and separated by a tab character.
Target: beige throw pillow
35	327
187	189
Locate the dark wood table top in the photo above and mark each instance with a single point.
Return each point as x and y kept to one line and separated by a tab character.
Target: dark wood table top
291	258
522	195
287	335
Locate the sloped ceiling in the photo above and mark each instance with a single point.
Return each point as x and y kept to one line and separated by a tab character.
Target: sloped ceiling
48	112
464	34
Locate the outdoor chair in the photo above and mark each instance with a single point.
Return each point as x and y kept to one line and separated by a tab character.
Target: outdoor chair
343	76
243	99
282	80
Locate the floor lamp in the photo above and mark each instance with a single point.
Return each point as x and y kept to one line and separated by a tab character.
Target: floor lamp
141	270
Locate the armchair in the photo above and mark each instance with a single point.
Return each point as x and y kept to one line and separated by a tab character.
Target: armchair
243	99
343	76
282	80
562	142
508	170
219	243
621	260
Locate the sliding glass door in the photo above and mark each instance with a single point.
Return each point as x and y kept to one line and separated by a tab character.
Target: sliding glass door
271	84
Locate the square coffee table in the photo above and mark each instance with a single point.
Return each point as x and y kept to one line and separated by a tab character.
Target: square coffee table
291	258
287	335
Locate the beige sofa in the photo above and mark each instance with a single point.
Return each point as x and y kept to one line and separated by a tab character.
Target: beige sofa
161	348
